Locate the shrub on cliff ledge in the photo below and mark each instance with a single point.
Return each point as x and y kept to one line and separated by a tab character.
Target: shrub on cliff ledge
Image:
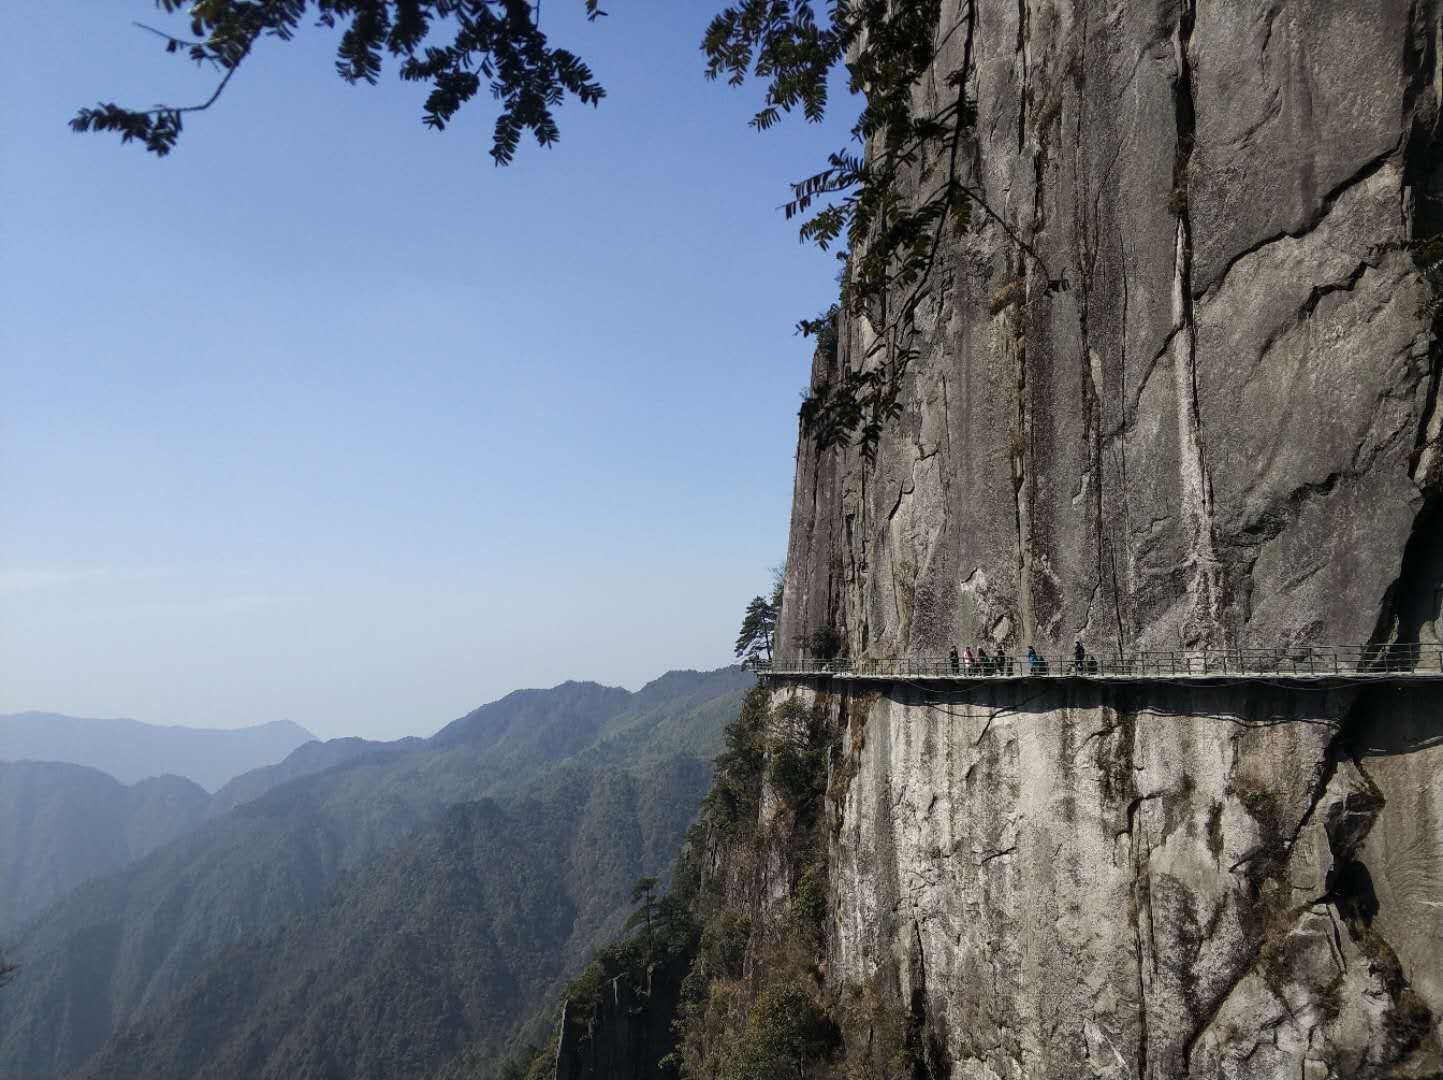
797	761
732	804
823	643
786	1032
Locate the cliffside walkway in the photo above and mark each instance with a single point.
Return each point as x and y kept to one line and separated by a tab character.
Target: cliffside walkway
1331	663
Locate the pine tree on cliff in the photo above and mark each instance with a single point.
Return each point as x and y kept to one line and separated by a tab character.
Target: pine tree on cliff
759	626
643	894
865	194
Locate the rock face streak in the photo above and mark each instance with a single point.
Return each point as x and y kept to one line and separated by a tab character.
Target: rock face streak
1205	415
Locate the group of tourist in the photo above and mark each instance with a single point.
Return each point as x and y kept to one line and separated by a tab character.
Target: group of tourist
967	662
980	663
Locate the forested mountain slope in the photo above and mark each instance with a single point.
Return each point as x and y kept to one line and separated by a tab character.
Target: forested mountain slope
129	750
444	942
311	757
63	824
118	948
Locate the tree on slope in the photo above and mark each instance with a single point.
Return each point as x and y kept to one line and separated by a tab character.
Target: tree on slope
861	197
664	921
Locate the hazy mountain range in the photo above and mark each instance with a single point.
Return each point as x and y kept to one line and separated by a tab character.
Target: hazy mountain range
63	824
81	797
130	751
372	909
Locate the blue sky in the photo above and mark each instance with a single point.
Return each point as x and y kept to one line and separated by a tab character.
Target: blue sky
325	417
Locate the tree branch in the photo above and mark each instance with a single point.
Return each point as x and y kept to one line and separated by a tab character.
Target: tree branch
171	39
220	88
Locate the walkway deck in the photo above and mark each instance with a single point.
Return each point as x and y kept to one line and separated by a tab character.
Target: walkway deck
1313	664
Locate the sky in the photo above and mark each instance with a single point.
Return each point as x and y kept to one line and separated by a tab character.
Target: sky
325	418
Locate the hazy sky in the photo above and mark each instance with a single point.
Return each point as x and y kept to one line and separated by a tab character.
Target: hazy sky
324	417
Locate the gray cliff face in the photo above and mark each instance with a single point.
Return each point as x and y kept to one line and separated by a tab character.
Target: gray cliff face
1124	882
1218	426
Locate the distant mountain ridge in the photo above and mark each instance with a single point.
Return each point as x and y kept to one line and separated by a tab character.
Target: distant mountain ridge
63	824
602	781
80	798
131	751
311	757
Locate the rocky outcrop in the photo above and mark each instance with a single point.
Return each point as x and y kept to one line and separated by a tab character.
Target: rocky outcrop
626	1031
1202	411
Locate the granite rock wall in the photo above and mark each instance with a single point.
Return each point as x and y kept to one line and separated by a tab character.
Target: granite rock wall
1157	882
1208	415
1203	412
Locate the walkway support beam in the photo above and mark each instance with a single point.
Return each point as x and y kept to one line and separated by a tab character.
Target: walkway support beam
1351	663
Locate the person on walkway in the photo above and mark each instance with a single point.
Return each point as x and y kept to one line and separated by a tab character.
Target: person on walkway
984	661
1001	663
1034	662
968	661
1079	657
954	660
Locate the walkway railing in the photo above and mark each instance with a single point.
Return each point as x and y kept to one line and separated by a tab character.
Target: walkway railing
1306	661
